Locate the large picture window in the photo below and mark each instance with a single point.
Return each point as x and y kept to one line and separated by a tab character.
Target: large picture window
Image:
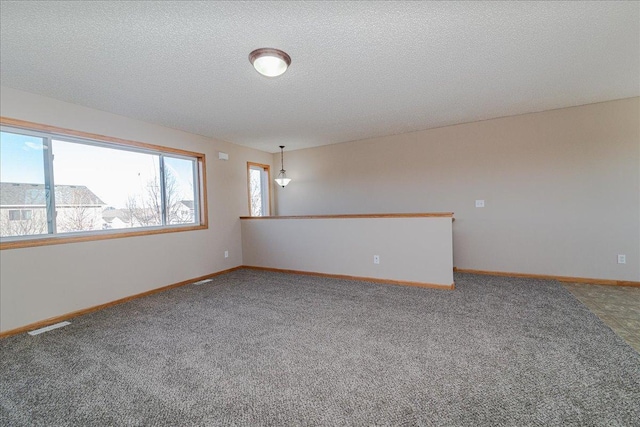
56	185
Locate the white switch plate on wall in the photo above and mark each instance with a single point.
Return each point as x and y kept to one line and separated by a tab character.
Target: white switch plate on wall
376	259
622	259
479	203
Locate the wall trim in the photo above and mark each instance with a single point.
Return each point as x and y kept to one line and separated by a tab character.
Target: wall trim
585	280
67	316
357	278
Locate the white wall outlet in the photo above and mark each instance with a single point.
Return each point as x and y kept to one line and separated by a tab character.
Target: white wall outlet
376	259
479	203
226	254
622	259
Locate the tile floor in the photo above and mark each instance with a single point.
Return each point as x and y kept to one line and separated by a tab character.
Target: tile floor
617	306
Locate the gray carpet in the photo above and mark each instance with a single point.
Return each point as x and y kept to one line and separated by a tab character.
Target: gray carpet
259	348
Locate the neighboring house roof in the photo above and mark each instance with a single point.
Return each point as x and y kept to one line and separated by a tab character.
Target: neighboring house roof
129	215
108	215
23	194
187	203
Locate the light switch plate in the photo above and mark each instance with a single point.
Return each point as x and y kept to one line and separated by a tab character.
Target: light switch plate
479	203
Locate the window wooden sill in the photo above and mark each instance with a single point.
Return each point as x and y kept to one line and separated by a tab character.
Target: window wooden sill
62	239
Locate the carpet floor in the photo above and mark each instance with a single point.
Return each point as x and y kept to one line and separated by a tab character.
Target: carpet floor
263	348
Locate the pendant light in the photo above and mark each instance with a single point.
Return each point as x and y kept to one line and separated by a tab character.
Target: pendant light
282	179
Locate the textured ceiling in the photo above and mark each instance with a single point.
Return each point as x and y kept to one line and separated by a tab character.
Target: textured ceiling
359	69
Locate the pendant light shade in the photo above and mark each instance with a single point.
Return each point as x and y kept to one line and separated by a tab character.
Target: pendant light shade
282	179
270	62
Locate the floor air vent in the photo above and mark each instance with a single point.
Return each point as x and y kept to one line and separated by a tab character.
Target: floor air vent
49	328
202	282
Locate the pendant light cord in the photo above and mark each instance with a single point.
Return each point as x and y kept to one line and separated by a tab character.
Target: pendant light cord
282	158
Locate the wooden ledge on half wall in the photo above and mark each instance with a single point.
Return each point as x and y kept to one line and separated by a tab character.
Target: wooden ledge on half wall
359	216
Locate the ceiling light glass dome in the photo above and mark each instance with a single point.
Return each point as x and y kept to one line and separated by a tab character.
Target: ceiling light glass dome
270	62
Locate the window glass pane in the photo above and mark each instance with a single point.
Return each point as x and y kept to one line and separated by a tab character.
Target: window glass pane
181	200
255	191
22	185
100	188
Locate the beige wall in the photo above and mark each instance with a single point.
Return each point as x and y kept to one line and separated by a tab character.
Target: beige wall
562	191
38	283
410	249
562	187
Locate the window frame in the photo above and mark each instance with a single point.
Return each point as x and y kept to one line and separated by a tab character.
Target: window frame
267	169
86	138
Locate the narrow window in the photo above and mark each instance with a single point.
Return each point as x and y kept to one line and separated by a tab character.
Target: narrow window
259	178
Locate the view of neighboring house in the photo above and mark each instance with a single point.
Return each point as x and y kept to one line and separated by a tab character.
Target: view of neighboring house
23	209
116	218
180	212
185	212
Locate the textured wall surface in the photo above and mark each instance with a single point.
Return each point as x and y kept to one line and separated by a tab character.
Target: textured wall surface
42	282
562	187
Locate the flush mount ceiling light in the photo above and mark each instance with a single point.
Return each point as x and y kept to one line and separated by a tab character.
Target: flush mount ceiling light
270	62
282	179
